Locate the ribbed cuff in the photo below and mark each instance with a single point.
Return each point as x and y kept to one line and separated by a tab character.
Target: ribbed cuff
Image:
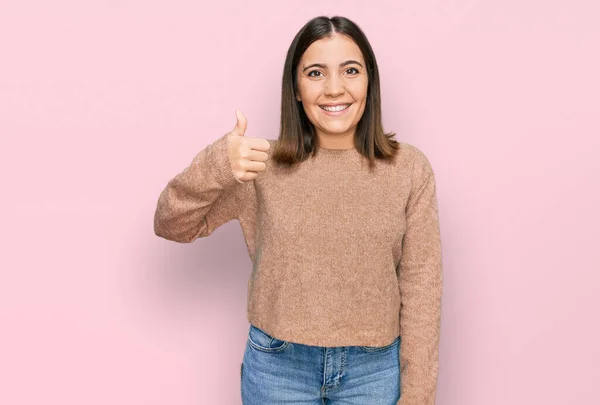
220	163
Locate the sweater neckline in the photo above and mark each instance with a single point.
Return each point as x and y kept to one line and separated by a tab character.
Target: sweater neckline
335	151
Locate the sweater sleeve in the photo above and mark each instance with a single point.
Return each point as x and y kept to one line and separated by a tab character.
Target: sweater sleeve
420	284
205	195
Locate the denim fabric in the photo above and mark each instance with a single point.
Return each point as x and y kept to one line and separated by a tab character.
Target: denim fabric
278	372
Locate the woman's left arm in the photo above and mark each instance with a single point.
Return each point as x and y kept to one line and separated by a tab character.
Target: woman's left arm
420	283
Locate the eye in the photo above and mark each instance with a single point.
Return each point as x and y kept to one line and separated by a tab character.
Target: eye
313	71
356	70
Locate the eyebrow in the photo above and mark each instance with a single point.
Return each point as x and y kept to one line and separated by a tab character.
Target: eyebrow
348	62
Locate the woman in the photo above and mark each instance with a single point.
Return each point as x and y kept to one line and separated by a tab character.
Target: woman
341	225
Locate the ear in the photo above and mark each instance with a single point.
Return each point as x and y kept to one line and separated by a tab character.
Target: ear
298	97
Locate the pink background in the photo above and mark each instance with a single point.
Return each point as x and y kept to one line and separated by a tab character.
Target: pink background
102	102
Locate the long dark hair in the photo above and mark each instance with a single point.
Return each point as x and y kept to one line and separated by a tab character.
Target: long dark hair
297	137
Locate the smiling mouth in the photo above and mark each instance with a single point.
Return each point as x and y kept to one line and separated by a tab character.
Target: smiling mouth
336	108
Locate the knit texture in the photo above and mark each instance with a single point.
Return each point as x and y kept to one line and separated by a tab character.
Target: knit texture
341	255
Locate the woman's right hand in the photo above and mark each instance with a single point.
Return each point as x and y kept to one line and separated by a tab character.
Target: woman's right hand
247	155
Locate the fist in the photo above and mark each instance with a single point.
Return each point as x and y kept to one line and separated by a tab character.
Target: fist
247	155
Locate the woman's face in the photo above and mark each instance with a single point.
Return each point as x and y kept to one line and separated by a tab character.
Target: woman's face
332	72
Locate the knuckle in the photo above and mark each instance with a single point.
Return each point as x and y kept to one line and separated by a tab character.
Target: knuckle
237	166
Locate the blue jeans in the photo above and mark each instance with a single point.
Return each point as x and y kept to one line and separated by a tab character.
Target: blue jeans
278	372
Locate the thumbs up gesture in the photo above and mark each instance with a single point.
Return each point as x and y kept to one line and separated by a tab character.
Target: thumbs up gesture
247	155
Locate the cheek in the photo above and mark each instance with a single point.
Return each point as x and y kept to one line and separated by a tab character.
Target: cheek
310	94
358	91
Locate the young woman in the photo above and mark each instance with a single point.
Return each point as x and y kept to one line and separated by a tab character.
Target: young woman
341	225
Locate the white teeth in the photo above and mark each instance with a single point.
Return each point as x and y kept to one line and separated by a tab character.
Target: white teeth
336	108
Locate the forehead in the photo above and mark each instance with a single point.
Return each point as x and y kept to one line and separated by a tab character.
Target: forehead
334	50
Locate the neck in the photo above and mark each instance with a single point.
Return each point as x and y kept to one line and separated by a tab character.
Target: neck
336	141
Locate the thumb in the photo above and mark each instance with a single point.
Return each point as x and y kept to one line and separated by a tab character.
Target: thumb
240	126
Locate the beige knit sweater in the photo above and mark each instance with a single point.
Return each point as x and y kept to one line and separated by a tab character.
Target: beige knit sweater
341	255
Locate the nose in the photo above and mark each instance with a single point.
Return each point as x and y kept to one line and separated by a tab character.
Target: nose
334	86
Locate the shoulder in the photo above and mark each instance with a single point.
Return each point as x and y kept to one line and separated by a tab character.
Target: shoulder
419	163
272	142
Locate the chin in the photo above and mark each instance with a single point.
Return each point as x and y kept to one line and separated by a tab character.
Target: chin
337	130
